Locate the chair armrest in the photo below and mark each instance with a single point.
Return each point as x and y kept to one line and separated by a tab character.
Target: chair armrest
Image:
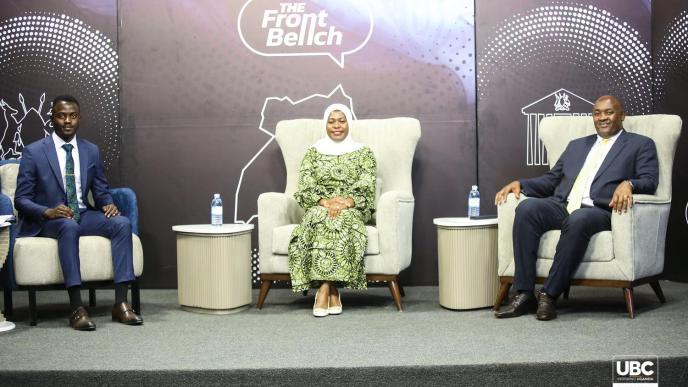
126	202
275	209
639	236
653	199
395	228
7	271
505	224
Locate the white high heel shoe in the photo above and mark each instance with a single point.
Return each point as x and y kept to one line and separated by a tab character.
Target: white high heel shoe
335	309
320	312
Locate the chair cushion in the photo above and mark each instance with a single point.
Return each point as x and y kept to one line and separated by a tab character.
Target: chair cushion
281	236
36	261
600	248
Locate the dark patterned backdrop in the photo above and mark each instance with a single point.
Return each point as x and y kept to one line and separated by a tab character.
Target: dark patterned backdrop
670	54
49	49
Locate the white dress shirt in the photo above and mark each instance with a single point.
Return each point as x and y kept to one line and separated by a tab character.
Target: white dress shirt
62	159
586	194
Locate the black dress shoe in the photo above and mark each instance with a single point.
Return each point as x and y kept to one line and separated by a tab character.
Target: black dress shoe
124	313
521	303
80	320
546	309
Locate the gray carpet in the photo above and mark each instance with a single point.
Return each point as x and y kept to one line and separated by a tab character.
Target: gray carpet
370	343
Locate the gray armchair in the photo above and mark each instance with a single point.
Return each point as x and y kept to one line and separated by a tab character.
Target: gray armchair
389	237
632	253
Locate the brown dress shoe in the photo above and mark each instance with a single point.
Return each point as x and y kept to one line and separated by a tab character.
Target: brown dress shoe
124	313
546	309
521	303
80	321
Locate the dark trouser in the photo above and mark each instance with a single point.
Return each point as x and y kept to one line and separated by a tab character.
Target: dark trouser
536	216
68	231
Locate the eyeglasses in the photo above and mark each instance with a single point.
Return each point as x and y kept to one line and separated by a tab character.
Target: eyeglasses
63	116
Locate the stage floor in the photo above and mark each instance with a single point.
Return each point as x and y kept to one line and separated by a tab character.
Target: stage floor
369	343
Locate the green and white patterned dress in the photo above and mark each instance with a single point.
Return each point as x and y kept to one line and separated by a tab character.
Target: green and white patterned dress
323	249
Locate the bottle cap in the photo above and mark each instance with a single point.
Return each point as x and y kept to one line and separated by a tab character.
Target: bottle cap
474	187
217	196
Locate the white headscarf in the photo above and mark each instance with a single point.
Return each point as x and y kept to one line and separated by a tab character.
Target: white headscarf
335	148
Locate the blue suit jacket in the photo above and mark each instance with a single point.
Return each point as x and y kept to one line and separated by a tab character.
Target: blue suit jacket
632	157
39	182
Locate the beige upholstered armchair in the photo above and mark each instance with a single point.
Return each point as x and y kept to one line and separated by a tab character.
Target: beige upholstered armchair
389	238
632	253
36	263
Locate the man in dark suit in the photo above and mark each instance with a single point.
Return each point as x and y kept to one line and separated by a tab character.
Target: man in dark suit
55	176
594	176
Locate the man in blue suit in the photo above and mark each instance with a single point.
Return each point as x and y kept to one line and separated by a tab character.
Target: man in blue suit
55	176
594	176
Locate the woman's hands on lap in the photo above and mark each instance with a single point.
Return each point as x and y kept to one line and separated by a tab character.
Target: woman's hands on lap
336	205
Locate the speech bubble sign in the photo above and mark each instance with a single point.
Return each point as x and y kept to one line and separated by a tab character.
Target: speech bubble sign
304	28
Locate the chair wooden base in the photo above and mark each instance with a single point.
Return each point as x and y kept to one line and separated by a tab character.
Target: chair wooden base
91	286
626	286
392	280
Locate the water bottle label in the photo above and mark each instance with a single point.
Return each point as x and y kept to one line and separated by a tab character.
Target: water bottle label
216	211
474	202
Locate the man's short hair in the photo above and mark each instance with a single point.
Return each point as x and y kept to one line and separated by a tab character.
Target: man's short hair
65	98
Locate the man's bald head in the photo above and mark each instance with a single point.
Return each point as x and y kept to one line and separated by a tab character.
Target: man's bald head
612	99
608	114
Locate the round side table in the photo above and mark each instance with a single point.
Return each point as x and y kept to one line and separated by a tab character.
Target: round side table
214	267
4	248
467	262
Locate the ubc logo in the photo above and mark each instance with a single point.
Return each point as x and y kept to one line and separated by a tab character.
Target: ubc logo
635	370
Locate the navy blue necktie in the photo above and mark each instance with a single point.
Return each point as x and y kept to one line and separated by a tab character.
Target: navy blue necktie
70	185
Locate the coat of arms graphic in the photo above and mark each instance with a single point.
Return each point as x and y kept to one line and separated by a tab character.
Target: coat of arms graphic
22	125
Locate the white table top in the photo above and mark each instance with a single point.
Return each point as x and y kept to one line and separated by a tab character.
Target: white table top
231	228
463	222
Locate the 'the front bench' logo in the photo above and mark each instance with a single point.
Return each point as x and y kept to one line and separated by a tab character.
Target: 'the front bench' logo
279	28
635	371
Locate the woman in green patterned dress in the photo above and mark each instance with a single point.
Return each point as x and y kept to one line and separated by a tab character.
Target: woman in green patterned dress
337	191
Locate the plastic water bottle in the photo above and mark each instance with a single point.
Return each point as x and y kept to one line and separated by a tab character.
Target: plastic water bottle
216	211
474	202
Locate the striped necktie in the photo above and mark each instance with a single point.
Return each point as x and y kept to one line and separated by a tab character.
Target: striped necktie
70	182
591	163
